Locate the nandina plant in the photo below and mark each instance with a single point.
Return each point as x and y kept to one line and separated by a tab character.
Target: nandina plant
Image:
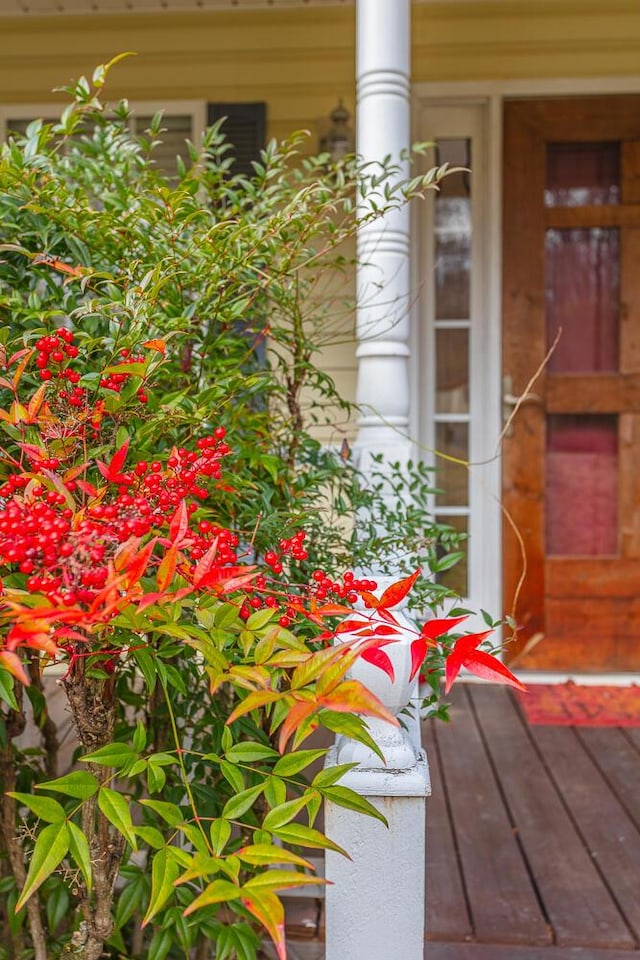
117	574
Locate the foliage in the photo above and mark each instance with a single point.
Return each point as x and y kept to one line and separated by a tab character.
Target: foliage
171	535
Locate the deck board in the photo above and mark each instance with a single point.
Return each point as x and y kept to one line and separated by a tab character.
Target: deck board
611	837
503	903
618	759
576	900
447	916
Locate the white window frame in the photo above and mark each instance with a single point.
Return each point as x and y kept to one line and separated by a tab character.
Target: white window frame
196	109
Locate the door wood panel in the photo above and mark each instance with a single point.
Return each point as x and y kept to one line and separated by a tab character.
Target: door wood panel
577	613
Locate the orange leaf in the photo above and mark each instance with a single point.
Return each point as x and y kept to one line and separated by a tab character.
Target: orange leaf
296	716
13	663
267	908
159	346
353	697
258	699
21	366
396	592
167	568
35	403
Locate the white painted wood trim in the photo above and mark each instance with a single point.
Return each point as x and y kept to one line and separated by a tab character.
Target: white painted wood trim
196	109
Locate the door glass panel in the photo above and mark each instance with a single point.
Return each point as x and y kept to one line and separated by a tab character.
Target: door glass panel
452	478
581	174
453	234
456	577
452	370
582	485
582	298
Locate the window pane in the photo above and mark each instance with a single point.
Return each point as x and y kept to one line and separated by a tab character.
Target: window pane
582	294
582	485
452	478
456	578
452	371
453	234
579	174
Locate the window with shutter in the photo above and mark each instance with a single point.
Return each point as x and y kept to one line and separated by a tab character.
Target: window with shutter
245	127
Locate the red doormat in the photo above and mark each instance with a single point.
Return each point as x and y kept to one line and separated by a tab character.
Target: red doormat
572	704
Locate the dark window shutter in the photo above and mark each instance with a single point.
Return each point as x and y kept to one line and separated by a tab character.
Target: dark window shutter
245	129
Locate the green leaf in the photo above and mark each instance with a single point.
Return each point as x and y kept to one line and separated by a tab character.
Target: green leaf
220	832
49	851
236	806
156	778
139	737
6	689
169	812
331	775
263	854
151	836
298	834
146	663
352	727
345	797
284	813
58	903
129	900
292	763
113	755
161	943
280	880
81	784
117	811
275	791
247	751
260	618
164	871
79	851
44	807
232	775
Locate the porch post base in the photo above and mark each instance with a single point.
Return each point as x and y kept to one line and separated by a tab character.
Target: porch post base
375	902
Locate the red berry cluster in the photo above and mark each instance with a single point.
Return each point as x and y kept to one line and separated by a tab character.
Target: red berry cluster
54	353
65	552
116	381
294	546
349	589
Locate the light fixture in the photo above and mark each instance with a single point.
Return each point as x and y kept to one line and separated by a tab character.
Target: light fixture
338	141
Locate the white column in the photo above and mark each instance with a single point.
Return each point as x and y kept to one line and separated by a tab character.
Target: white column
383	281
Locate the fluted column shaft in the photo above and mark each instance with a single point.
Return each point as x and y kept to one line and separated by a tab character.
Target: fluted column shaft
383	282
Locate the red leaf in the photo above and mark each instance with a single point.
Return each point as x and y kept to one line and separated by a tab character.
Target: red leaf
380	659
205	564
87	488
437	628
418	653
179	524
112	473
462	650
488	667
137	565
396	592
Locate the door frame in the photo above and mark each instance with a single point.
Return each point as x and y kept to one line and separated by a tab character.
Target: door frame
489	97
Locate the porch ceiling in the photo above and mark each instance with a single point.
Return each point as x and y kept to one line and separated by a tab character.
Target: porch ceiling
52	7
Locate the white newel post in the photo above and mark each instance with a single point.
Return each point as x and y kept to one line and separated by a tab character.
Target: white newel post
375	904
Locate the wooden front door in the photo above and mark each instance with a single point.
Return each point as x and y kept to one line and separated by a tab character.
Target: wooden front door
572	455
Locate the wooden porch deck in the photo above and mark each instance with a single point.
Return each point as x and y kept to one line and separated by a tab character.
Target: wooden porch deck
533	838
